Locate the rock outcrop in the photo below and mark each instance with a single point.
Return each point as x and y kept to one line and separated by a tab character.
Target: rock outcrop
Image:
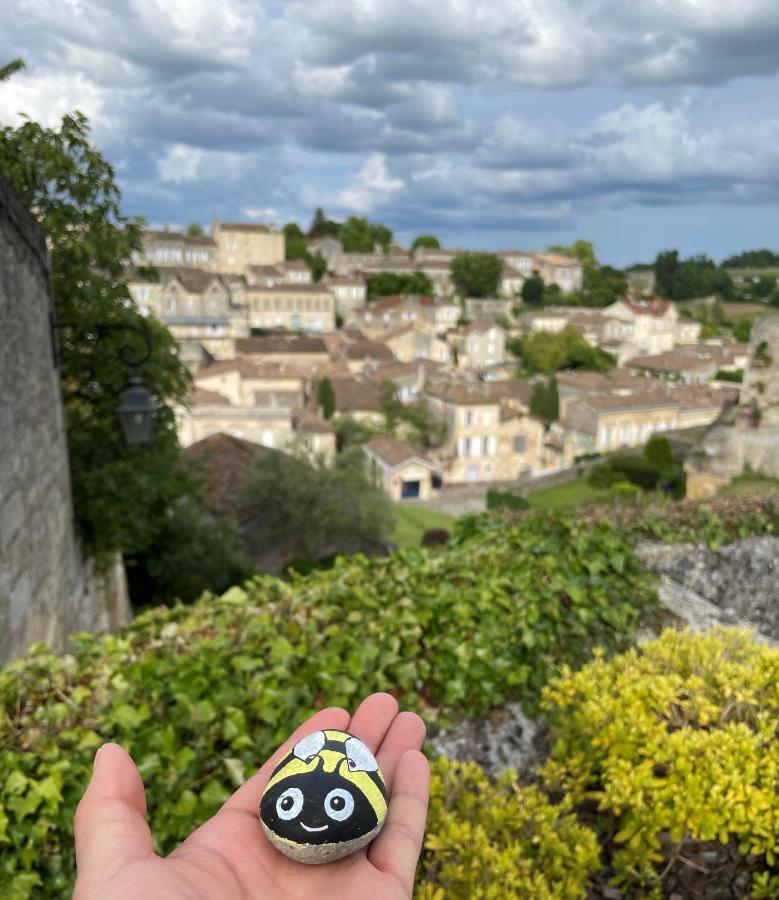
737	584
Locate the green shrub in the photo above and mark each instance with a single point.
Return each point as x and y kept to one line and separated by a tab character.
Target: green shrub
659	452
505	500
624	467
625	491
674	744
201	694
495	839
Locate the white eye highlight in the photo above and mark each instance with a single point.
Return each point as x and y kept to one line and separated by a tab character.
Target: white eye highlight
359	757
310	745
339	804
289	804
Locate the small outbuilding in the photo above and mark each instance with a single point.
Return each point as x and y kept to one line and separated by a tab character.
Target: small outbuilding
405	473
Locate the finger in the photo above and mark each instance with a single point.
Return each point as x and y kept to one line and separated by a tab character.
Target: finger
407	732
373	718
396	850
110	825
247	797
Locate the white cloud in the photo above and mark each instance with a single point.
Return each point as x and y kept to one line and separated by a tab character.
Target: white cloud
266	213
46	95
372	186
180	164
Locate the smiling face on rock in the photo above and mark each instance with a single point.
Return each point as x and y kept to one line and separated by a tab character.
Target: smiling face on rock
325	800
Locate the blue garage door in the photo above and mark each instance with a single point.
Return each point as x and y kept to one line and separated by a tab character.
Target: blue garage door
410	490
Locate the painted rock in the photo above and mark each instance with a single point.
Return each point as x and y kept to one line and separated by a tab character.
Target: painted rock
324	800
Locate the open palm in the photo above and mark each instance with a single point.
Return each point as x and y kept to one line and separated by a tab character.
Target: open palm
229	856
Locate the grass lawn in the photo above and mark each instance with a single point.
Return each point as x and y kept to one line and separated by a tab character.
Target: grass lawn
411	522
750	486
575	493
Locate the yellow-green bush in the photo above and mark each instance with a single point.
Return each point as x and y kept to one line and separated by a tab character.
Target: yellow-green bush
495	839
676	743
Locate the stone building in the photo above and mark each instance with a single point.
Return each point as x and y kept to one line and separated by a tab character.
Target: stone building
295	307
47	589
745	436
403	472
478	346
201	309
244	244
488	438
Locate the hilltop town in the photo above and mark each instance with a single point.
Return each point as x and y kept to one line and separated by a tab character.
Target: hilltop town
262	336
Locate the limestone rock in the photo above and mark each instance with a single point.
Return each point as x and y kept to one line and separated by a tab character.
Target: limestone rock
741	580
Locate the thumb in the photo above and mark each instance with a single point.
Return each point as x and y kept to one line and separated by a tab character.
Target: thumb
110	825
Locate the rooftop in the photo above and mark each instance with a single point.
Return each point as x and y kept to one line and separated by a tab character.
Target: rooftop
281	343
224	462
356	394
393	452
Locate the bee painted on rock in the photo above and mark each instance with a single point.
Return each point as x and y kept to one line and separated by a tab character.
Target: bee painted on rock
325	800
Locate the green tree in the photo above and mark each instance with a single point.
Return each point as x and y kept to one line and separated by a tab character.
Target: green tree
752	259
410	421
426	240
318	265
603	285
581	250
295	243
545	400
194	551
16	65
547	353
120	497
194	229
533	291
765	286
658	451
295	510
742	327
321	226
697	276
355	235
351	432
476	274
382	236
390	284
325	397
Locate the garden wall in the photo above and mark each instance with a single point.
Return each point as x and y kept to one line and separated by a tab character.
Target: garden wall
46	590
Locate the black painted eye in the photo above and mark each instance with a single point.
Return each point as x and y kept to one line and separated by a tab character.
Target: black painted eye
290	803
339	804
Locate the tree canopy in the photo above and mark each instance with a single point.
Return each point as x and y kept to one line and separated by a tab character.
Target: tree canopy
388	284
545	401
476	274
581	250
295	510
119	496
547	353
425	240
533	291
752	259
697	276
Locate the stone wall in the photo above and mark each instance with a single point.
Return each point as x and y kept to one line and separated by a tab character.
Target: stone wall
747	437
46	590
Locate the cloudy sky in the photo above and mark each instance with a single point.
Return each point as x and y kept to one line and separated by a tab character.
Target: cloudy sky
640	125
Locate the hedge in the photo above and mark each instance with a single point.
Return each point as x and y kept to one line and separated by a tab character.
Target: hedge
675	745
201	694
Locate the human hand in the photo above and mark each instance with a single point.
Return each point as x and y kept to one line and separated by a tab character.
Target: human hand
229	856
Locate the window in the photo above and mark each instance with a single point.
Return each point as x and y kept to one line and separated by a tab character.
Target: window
170	304
472	473
485	446
486	417
468	417
520	442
